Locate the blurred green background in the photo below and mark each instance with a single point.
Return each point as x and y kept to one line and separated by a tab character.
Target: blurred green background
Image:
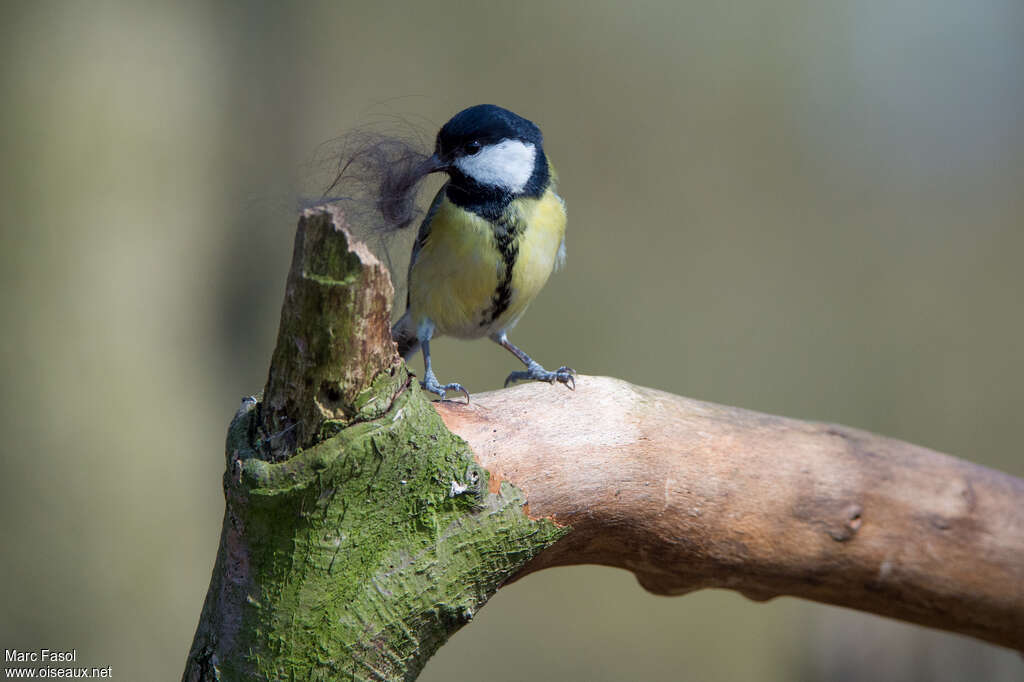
810	209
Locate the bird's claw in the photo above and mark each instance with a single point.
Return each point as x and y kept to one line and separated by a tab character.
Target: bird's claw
430	384
563	375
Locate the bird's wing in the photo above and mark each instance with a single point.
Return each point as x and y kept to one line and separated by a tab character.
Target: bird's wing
421	236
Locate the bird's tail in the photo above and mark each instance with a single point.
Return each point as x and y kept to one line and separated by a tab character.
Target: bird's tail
404	335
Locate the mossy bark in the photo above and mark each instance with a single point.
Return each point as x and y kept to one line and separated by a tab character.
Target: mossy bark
334	361
355	548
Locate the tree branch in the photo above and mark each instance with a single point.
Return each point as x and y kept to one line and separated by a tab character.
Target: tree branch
688	494
359	532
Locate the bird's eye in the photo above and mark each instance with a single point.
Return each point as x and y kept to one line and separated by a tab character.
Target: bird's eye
472	148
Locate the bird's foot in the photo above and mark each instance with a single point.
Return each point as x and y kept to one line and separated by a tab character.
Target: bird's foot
563	375
430	384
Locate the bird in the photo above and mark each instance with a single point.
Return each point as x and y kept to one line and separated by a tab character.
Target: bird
492	236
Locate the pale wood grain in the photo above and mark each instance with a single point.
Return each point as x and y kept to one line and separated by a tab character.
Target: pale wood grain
688	494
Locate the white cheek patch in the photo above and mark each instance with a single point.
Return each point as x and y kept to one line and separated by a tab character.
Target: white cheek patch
507	164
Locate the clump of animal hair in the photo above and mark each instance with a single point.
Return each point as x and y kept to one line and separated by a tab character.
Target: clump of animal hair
379	172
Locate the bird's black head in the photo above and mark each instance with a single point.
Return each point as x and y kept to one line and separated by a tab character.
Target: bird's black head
492	156
485	124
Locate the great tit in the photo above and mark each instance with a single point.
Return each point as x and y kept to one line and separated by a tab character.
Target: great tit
490	240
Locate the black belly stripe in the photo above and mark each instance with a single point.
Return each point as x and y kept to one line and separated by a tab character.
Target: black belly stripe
506	238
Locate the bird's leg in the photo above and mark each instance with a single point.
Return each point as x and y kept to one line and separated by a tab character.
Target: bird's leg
429	382
534	371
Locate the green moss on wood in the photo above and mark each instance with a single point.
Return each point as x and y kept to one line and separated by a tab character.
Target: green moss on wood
334	359
358	533
362	557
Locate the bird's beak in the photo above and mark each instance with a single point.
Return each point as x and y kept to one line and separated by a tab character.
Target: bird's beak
433	164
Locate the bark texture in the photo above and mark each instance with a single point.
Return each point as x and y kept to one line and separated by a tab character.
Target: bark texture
334	361
358	532
688	494
363	526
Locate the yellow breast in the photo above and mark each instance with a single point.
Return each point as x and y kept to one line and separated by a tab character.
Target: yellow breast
457	279
538	249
